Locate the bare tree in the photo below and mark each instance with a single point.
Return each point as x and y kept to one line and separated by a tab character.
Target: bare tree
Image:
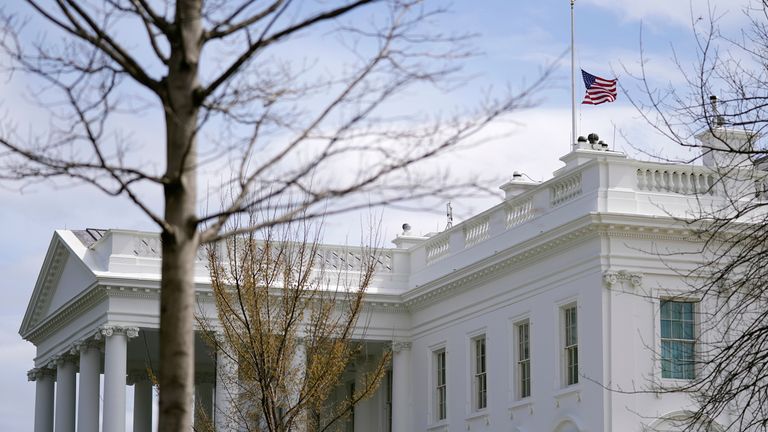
235	98
722	112
284	328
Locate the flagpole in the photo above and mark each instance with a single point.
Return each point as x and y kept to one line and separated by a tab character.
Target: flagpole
573	82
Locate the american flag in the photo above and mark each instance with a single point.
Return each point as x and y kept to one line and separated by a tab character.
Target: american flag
599	90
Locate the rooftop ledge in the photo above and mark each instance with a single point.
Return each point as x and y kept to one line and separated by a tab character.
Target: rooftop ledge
592	181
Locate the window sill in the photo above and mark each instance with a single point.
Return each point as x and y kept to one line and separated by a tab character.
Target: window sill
674	383
568	392
438	426
477	415
520	406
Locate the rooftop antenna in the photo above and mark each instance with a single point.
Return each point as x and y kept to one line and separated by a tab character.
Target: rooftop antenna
449	215
719	120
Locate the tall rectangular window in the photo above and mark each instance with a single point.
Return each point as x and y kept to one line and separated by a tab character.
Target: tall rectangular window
571	345
677	340
440	386
479	376
523	360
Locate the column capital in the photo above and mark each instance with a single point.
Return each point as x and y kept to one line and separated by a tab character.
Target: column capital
611	278
90	342
107	331
62	359
35	374
398	346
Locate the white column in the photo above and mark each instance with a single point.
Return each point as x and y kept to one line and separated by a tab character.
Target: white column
115	358
43	378
66	369
401	379
365	410
142	401
225	392
299	369
203	400
88	394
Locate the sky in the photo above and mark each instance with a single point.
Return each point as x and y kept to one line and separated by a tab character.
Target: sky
514	39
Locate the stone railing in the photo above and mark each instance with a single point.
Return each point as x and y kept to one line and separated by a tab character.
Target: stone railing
565	190
341	258
437	247
643	187
519	213
123	248
148	245
476	230
680	180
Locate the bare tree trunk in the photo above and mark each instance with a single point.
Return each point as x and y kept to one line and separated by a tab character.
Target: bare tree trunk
177	343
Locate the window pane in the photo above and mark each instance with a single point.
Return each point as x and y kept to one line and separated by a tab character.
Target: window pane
523	361
677	340
440	387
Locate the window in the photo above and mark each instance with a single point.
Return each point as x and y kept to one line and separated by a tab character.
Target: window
571	345
479	377
677	340
523	360
440	387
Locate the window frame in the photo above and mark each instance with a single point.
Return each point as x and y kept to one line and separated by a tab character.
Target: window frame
522	381
439	389
479	371
569	343
694	331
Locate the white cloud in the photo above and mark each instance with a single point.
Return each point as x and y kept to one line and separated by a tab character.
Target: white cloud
678	12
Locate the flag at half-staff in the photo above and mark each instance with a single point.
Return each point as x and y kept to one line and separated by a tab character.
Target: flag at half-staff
599	90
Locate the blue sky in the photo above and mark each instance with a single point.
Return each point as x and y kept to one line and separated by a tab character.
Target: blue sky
515	38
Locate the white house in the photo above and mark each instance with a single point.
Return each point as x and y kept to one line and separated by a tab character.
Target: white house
547	312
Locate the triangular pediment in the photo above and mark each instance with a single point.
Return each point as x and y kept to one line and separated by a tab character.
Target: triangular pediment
63	277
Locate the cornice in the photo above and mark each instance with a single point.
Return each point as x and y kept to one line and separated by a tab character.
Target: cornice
49	276
493	267
612	225
576	231
91	297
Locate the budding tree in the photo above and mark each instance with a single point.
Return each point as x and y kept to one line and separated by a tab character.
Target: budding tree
242	92
284	329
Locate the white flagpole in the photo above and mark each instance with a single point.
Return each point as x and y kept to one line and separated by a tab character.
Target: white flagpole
573	83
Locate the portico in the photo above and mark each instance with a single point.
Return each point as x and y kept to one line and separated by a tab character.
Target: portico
94	318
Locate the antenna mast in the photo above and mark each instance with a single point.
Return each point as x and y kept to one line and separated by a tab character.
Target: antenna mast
573	82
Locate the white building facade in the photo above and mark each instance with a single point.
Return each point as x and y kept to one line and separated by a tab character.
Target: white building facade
547	312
